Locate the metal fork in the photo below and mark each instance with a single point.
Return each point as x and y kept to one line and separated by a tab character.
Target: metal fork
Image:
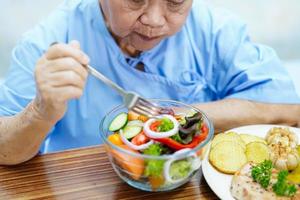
131	100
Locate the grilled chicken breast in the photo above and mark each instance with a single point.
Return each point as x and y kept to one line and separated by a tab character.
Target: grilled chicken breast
243	186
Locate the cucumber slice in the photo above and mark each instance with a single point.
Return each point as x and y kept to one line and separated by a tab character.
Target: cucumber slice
118	122
135	123
131	131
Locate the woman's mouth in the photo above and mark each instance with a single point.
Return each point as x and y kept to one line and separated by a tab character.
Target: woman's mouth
147	38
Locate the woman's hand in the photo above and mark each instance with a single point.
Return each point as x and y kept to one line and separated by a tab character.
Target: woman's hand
60	76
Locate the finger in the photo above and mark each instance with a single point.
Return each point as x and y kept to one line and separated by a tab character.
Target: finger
64	50
75	44
66	64
66	78
65	93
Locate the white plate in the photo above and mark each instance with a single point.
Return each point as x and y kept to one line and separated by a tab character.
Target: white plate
219	182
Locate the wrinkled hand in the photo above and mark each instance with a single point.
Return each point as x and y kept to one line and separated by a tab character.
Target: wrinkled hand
60	76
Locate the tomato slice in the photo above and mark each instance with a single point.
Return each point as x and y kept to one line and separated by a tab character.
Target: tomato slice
155	125
140	139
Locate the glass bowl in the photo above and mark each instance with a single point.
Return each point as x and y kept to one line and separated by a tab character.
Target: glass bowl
131	167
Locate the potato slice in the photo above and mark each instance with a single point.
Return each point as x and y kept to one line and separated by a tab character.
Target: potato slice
229	136
227	156
251	138
257	152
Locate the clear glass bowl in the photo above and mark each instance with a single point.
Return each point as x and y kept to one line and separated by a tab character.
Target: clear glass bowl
128	164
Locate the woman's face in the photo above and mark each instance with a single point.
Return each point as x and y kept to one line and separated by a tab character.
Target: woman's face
142	24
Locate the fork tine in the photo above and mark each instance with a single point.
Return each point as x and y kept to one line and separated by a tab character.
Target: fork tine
151	110
146	102
146	110
148	105
140	112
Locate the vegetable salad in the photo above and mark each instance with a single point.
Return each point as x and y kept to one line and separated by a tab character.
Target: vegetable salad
164	134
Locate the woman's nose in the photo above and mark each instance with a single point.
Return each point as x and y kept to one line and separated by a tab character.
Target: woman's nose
153	16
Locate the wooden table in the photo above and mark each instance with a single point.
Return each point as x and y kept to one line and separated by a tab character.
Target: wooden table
82	174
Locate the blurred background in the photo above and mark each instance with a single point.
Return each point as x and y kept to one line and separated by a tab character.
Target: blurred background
272	22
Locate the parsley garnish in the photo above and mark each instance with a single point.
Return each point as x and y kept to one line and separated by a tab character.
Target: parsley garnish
262	173
281	187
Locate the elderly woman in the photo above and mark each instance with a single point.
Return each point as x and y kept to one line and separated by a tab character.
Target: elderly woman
170	49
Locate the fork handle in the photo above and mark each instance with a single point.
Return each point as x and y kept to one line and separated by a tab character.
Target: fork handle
105	80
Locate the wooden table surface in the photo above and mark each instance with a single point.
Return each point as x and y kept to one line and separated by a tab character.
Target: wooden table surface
83	174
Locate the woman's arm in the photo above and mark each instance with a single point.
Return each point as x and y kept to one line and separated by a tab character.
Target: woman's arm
21	135
230	113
